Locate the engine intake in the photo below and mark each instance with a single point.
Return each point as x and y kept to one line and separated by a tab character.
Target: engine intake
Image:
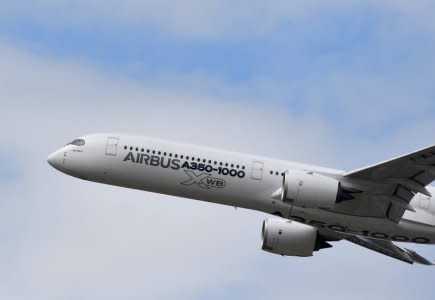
290	238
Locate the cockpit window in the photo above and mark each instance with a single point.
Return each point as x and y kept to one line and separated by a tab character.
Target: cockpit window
77	142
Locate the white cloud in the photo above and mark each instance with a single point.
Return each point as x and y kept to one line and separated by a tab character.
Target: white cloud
64	238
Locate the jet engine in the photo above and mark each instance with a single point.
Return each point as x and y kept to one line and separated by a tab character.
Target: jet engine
291	238
308	189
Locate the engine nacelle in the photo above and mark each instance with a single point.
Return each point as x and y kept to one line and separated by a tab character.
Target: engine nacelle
290	238
308	189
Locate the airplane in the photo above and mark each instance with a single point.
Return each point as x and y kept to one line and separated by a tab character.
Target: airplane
373	207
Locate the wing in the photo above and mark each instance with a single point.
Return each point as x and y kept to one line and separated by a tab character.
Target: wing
390	249
395	182
381	246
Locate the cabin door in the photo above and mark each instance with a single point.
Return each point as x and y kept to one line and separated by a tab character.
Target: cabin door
112	146
257	170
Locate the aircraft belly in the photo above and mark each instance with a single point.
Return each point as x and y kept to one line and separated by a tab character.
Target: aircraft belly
378	228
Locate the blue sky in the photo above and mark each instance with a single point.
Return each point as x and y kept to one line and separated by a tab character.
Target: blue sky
336	83
298	63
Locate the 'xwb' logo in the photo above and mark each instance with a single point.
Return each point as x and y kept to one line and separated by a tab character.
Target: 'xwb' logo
203	180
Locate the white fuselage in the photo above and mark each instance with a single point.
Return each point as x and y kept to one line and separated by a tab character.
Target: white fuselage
223	177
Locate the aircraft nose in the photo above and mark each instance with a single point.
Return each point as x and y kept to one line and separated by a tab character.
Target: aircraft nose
56	159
